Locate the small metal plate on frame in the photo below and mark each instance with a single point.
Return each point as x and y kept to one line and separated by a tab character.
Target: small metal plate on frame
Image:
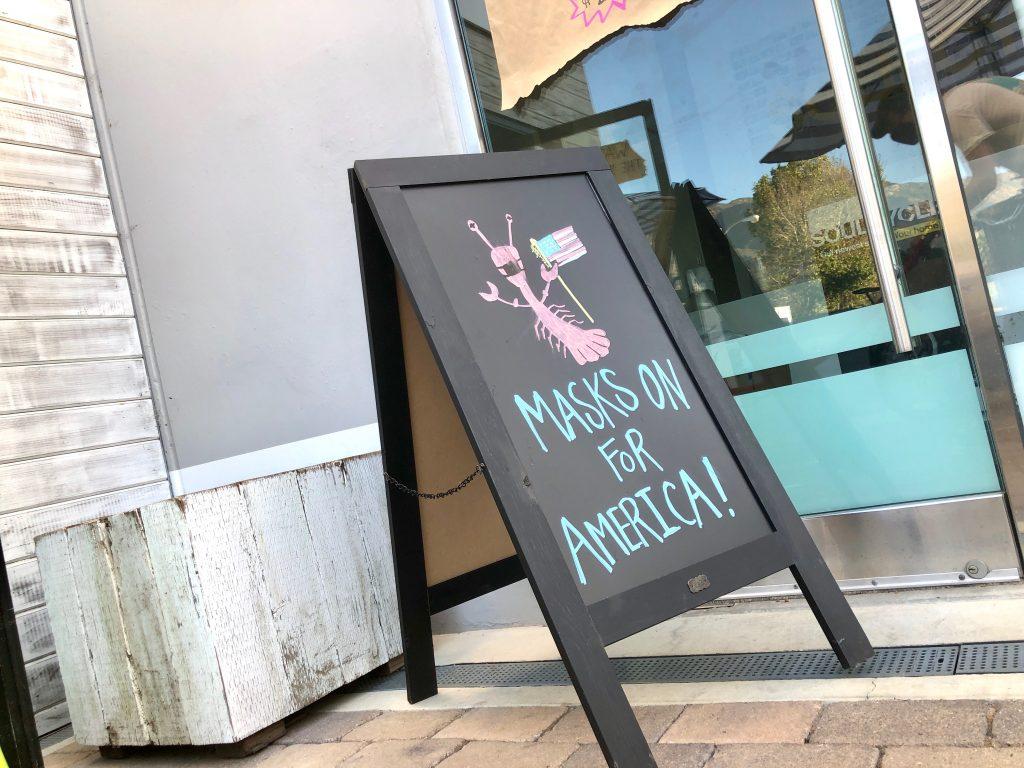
698	583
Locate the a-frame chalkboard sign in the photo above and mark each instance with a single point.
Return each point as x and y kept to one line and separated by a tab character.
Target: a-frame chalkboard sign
629	482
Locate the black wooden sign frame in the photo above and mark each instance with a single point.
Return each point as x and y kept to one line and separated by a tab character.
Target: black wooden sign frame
18	738
390	243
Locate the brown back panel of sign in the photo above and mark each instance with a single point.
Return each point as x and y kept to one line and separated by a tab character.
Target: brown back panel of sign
465	531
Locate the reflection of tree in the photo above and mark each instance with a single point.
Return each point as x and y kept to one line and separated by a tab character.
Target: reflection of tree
782	200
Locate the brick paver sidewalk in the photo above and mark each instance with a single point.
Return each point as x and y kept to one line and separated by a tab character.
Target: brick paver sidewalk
867	734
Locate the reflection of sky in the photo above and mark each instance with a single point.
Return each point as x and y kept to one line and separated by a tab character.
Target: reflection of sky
725	79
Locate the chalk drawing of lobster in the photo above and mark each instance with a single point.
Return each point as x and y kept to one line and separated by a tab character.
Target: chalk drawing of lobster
555	324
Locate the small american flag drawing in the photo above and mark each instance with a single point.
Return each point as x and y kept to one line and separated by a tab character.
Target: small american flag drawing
561	247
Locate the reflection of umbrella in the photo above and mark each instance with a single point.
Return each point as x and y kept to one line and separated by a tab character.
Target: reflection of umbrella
970	39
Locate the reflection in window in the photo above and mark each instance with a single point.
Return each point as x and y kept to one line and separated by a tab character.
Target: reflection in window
721	128
722	131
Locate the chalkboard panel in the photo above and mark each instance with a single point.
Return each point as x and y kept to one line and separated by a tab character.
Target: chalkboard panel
624	459
631	487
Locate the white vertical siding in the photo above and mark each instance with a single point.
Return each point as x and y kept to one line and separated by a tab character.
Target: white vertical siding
78	437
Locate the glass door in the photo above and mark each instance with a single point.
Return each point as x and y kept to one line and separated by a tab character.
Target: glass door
723	128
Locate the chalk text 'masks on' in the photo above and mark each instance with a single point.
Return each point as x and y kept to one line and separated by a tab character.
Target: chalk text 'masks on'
600	406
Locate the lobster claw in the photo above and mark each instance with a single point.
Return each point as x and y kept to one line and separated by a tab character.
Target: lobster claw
549	274
492	294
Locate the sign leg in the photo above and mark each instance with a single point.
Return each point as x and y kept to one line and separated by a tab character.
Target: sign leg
379	294
413	604
840	625
611	717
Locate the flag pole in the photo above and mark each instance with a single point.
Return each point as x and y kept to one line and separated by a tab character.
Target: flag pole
535	247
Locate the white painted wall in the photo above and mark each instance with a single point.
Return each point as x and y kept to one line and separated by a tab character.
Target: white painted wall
232	126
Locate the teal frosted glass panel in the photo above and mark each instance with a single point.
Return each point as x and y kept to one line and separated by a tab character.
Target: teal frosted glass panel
902	432
927	313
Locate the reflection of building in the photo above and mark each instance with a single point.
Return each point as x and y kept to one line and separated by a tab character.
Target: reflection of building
564	99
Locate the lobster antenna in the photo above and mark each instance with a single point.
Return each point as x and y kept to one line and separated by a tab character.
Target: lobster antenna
474	228
508	218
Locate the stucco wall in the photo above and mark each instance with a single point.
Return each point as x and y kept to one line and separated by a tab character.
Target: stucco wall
232	126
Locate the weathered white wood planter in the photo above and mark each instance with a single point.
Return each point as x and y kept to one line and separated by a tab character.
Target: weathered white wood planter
206	619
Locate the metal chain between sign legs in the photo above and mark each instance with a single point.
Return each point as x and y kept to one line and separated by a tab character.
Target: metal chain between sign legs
440	494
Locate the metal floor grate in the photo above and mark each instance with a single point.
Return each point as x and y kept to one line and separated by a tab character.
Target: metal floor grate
989	658
912	661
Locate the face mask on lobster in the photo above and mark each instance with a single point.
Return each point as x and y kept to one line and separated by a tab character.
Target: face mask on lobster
505	257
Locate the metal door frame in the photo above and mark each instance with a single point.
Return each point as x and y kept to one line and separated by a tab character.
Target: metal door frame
986	347
979	321
906	527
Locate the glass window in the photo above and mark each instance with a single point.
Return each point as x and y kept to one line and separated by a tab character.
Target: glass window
720	127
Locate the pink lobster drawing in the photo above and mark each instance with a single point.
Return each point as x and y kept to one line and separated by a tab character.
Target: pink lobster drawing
555	324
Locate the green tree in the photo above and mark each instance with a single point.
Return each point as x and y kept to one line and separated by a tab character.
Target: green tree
783	200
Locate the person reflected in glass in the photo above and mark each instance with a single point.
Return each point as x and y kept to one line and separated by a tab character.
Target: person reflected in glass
986	120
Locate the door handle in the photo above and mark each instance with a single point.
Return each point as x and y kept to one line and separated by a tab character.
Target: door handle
866	175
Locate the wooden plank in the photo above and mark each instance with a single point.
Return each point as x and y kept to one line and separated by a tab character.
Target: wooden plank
55	212
43	88
69	637
52	296
45	687
362	601
311	652
55	253
39	48
183	616
19	530
89	555
26	584
367	502
51	169
238	608
38	482
52	385
64	430
154	677
42	341
24	296
35	633
54	15
46	128
350	605
53	719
